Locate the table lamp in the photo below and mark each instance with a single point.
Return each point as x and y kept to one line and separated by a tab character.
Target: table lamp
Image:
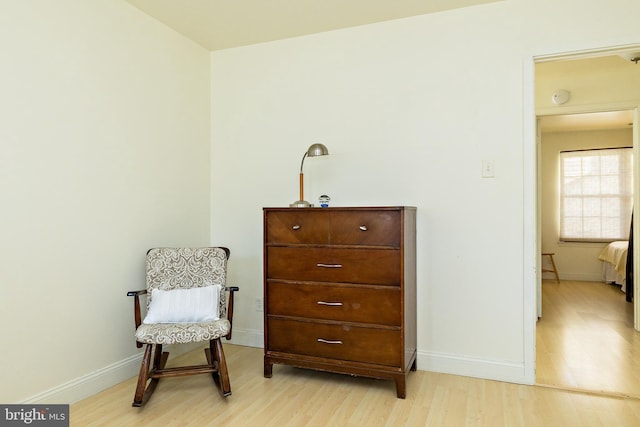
313	151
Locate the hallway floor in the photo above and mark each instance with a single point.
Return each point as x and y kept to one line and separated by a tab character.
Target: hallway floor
585	339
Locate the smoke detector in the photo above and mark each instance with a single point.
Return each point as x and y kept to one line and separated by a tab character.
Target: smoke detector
560	96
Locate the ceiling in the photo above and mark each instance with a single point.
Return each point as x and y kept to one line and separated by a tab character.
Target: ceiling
587	121
222	24
606	64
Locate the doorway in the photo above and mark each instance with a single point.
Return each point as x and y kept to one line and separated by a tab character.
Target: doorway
589	66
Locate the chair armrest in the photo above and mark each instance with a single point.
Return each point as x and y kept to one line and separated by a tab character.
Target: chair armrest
136	309
231	290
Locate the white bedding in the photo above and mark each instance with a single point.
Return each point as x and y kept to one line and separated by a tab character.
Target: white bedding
614	268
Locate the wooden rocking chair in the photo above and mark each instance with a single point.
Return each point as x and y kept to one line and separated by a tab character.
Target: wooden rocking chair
186	303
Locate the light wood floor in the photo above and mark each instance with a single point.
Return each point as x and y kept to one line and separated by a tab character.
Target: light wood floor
586	340
296	397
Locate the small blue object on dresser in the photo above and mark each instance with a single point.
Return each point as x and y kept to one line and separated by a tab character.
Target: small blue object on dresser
324	201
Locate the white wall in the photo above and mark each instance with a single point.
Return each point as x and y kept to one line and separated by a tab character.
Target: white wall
409	109
575	260
104	153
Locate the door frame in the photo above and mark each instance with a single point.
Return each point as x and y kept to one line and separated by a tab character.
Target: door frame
531	227
636	184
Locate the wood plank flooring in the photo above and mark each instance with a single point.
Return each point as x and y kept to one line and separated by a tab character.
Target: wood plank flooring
296	397
586	340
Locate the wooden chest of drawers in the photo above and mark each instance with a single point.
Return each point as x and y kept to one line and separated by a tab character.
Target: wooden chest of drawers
340	290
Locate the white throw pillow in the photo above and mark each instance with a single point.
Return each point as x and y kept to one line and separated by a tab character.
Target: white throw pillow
184	305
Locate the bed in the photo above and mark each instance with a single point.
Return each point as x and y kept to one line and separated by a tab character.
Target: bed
614	266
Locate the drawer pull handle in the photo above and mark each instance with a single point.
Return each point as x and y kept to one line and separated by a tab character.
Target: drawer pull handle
333	304
328	265
363	228
329	341
296	227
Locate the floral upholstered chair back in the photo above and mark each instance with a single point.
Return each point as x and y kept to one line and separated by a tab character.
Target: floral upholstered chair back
185	268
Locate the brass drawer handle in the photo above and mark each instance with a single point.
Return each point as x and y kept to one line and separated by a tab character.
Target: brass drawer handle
329	341
328	265
296	227
363	228
332	304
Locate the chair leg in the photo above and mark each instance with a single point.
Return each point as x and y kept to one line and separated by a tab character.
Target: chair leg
154	369
222	376
209	352
144	391
143	376
555	269
157	360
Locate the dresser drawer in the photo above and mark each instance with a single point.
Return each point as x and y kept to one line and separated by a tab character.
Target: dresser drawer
362	304
371	266
296	226
376	228
341	342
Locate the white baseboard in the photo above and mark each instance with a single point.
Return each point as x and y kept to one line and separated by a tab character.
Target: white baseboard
94	382
115	373
90	384
476	368
247	338
579	277
435	362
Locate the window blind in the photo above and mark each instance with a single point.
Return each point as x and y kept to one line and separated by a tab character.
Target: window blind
596	194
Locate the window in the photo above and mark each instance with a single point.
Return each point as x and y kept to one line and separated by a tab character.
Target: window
596	194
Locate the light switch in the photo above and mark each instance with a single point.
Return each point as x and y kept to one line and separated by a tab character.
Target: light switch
488	169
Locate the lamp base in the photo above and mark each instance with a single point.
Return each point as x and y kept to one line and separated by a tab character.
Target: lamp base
300	204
